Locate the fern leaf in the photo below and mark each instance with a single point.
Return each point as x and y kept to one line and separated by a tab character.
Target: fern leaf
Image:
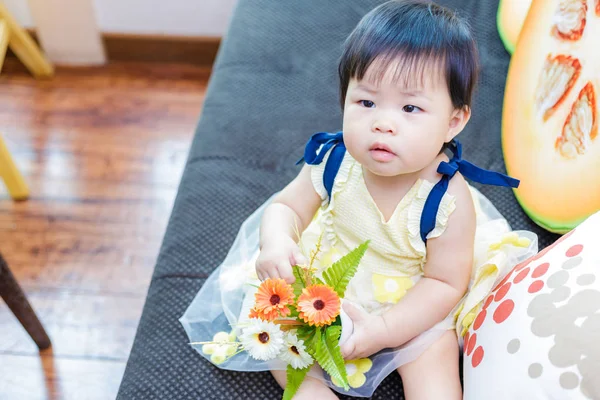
326	350
295	377
307	334
341	272
299	283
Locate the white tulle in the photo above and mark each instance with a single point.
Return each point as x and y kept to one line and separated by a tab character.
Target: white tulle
223	302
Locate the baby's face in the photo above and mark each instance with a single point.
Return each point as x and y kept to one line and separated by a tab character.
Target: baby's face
394	128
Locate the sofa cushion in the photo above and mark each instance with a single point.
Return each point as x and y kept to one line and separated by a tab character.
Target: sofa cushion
274	84
214	198
163	366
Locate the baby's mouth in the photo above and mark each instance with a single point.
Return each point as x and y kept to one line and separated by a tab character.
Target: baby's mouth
381	147
381	152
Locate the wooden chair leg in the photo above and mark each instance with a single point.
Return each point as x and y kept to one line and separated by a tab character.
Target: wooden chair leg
25	48
14	297
12	178
4	39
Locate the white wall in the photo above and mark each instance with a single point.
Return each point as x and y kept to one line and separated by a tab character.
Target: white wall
173	17
20	10
170	17
71	38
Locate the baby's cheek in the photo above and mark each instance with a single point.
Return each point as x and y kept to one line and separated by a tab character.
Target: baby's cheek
419	152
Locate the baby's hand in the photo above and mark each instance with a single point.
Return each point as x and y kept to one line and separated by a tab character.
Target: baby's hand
277	258
369	336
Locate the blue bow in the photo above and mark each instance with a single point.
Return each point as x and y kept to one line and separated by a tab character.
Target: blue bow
314	156
472	171
320	143
448	170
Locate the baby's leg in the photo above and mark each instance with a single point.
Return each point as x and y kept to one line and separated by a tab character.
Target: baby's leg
311	388
434	375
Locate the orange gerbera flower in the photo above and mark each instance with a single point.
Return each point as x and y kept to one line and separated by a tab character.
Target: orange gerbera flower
272	300
254	313
318	305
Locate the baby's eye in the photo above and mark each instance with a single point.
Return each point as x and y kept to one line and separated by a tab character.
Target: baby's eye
410	108
367	103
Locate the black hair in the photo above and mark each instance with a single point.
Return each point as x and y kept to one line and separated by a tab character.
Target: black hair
413	32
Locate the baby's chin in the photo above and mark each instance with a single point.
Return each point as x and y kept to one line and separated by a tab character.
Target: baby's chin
389	170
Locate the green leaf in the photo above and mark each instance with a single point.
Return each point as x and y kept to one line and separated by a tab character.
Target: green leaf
326	351
315	340
307	334
299	283
341	272
337	322
294	312
295	377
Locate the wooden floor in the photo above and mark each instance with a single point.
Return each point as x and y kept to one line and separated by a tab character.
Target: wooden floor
102	150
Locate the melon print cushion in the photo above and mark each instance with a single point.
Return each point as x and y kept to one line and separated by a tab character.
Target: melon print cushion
537	336
509	20
551	110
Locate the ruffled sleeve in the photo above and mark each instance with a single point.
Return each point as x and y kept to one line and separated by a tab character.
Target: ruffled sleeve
341	178
327	205
447	206
316	175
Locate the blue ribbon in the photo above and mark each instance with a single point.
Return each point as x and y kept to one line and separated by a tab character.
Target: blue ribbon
322	142
315	150
448	170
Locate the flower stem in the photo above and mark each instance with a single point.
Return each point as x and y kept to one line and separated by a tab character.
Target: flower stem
219	343
287	322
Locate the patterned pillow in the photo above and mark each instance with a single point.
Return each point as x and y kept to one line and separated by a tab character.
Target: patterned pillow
538	335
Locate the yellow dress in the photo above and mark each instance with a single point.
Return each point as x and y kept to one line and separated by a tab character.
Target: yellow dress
396	256
392	265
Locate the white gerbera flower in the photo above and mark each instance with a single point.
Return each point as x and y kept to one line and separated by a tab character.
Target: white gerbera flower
294	352
262	339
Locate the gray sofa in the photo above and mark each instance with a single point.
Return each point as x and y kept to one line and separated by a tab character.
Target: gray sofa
274	84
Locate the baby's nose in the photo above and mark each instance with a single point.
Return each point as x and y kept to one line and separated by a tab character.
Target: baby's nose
384	126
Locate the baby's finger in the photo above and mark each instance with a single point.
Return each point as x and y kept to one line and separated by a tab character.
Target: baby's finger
354	313
298	258
287	274
348	348
274	272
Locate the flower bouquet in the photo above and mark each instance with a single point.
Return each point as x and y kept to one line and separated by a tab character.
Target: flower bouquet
298	323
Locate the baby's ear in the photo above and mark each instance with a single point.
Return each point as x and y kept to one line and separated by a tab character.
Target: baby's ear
458	120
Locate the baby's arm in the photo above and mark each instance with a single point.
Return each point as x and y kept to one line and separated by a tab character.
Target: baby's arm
446	274
446	278
291	211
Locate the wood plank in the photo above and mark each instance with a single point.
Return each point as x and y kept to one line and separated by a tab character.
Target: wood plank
109	107
131	129
140	74
90	207
47	377
102	150
153	163
87	202
85	326
95	264
146	221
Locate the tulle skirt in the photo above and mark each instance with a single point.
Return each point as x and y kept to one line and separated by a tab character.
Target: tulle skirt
222	305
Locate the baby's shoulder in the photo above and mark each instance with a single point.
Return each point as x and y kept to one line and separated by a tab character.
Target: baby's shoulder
458	187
